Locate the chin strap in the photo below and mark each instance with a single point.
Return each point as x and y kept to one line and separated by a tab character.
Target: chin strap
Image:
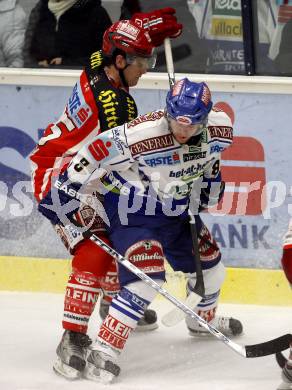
122	77
121	72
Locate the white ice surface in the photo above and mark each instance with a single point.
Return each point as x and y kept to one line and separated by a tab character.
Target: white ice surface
167	358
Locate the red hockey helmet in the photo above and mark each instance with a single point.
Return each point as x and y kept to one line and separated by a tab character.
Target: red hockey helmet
128	37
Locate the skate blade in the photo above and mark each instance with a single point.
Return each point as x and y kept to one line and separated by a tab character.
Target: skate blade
99	375
205	334
285	386
66	371
200	334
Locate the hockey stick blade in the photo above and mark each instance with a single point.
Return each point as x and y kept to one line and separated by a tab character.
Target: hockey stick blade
281	360
176	315
249	351
269	347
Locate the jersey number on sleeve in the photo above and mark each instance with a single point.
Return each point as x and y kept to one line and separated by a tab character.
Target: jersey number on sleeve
215	168
56	130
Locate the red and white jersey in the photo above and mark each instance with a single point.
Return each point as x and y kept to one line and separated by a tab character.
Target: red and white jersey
96	105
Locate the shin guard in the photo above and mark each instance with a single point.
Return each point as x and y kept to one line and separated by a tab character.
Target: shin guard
81	295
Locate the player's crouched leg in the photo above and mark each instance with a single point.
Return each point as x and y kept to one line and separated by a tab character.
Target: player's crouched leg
82	292
81	295
110	287
213	278
126	309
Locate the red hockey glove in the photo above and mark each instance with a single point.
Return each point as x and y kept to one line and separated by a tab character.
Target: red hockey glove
160	24
287	263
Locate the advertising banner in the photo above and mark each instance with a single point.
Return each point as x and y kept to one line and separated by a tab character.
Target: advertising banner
249	223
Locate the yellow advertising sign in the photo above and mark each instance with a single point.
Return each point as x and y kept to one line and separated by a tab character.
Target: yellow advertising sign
226	28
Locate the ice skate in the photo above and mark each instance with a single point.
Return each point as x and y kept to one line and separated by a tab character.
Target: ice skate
71	354
286	377
146	323
286	383
101	363
227	325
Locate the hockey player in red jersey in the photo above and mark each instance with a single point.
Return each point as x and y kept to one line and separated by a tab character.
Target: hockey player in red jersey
287	268
100	100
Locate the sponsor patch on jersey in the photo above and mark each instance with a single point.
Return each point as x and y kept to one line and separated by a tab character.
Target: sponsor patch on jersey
131	108
220	137
194	149
109	102
100	150
186	173
78	110
216	149
146	255
118	142
163	159
155	143
221	132
193	156
151	116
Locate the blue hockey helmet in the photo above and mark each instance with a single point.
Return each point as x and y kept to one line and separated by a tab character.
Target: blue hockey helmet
189	103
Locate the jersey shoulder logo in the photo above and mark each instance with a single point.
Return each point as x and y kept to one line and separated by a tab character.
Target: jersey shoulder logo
220	137
151	116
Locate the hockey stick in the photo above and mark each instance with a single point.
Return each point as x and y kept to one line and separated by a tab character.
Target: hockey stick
200	286
174	316
169	62
195	296
248	351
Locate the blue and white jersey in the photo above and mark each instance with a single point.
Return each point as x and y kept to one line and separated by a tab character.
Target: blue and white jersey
142	161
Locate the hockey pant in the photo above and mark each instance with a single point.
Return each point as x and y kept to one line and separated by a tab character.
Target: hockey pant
147	245
93	271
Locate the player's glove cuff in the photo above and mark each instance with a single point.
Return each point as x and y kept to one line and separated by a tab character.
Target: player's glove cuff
160	24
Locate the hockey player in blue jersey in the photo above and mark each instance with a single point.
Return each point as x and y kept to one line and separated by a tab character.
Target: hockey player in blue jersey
150	168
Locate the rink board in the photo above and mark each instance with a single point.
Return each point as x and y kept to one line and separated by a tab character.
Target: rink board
242	285
253	219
